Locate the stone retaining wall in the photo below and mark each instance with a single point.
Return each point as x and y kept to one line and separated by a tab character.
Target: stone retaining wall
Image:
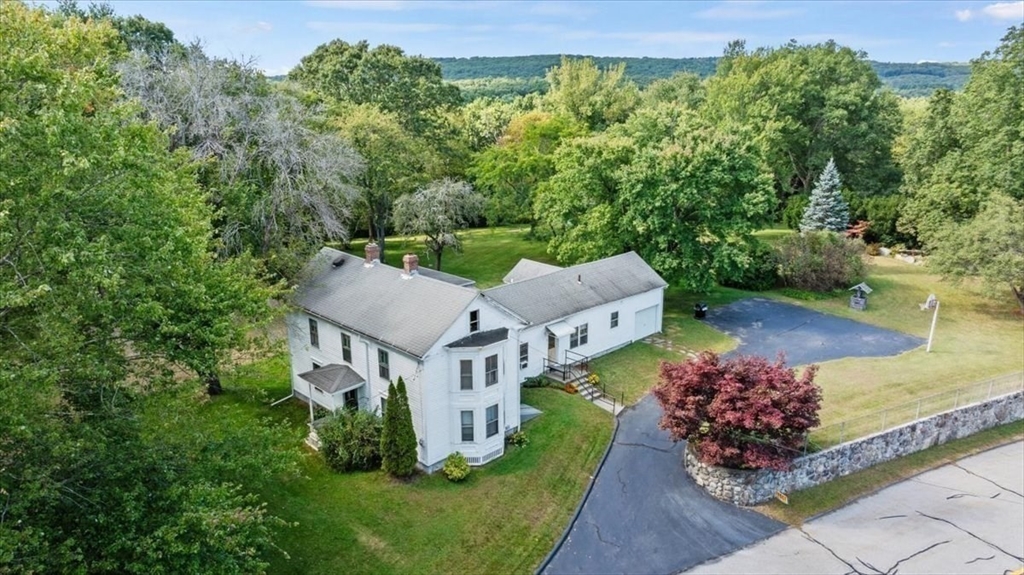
754	487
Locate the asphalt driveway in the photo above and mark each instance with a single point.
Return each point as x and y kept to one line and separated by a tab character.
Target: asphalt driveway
645	514
766	327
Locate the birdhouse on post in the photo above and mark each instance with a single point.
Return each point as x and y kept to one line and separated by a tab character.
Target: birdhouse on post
859	299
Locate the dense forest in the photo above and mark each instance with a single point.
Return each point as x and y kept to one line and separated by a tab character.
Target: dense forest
158	205
480	76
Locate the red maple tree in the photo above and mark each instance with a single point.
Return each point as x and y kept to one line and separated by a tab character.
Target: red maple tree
745	413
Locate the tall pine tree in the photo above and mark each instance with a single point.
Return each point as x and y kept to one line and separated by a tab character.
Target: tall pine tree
827	209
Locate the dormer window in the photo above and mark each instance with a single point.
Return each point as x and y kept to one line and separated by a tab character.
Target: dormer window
474	321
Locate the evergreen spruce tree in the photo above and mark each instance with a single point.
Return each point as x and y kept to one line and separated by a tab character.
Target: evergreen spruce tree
389	435
827	209
405	461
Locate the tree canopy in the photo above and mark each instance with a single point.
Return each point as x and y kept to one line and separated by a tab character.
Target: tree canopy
667	184
409	86
108	283
965	167
812	103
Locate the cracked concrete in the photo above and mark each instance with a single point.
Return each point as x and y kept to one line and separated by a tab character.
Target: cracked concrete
915	526
645	514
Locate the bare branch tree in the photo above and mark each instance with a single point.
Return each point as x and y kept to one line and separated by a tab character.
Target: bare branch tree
282	188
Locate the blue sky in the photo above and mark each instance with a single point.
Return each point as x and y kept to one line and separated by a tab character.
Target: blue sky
279	33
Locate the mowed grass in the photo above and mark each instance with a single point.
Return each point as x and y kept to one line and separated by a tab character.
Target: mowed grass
487	253
976	338
503	519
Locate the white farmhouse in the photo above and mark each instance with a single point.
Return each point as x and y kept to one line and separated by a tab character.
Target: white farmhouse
463	352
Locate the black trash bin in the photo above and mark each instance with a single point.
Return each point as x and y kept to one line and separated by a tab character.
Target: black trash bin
700	310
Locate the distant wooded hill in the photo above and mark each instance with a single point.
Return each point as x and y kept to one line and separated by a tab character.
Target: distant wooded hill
507	76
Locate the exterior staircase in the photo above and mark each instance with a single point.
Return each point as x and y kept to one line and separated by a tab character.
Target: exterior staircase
576	371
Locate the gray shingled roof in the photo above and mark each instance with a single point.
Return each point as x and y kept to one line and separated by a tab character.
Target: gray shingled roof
446	277
333	377
481	338
409	314
557	294
527	270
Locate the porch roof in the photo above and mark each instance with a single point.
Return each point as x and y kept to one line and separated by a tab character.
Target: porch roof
560	329
333	378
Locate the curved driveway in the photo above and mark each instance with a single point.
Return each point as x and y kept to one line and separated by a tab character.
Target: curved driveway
645	515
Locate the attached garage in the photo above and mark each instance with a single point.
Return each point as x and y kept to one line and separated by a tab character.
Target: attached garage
646	322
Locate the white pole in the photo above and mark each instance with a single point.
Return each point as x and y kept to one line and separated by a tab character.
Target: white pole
931	334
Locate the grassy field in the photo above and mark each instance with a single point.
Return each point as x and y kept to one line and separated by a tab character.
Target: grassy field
975	339
503	519
488	253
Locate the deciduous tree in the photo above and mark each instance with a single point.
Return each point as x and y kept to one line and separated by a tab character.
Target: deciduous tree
108	281
281	184
666	184
510	172
593	97
409	86
438	211
811	103
744	413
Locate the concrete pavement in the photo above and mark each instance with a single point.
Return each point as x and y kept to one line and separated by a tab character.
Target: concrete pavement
962	518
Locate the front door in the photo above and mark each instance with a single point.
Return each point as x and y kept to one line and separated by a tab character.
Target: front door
552	347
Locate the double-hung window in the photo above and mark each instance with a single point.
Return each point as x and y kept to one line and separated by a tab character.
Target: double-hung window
578	336
492	420
474	321
524	355
615	319
491	370
314	333
346	347
383	366
467	426
466	374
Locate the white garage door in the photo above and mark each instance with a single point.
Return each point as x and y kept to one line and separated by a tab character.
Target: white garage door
646	322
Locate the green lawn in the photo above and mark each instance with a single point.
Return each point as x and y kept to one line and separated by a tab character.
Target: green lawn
627	374
503	519
976	339
488	253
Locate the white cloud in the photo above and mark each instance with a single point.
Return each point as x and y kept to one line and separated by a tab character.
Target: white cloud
258	28
1005	11
997	11
746	11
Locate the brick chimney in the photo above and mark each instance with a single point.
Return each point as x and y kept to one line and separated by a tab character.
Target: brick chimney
411	263
372	254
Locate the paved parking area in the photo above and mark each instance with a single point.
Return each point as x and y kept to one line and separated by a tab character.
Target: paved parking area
766	327
962	518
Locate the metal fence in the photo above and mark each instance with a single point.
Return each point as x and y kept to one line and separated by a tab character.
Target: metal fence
896	416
